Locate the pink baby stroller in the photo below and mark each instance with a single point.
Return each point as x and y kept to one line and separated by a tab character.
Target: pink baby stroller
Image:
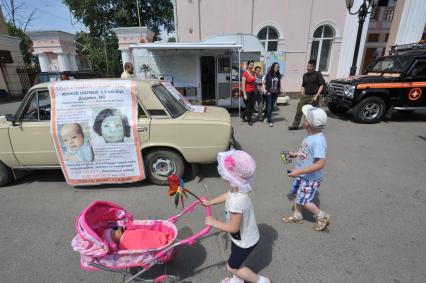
143	243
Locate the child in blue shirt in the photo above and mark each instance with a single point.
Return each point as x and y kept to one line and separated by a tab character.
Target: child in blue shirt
310	159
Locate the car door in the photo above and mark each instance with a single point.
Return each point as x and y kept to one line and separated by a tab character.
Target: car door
30	137
415	96
143	125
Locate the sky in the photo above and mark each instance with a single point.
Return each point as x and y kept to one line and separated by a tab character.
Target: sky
49	15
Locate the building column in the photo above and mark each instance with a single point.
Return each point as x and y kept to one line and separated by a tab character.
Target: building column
126	56
349	39
64	64
73	61
44	62
408	22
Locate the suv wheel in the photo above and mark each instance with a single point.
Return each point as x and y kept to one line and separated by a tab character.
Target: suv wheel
160	164
370	110
336	109
6	175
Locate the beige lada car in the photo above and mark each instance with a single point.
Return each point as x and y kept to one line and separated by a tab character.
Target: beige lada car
171	136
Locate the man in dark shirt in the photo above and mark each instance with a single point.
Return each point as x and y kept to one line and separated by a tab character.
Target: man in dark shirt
312	86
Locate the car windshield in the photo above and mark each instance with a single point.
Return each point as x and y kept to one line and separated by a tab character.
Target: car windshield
389	65
174	107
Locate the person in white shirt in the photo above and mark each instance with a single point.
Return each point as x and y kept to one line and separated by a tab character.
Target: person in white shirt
128	71
237	168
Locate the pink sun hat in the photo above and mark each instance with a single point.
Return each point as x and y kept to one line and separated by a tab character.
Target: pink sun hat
238	168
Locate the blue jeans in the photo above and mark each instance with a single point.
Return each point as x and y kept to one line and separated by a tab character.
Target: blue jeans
270	102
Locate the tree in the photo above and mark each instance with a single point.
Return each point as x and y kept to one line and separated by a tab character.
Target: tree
104	62
15	15
25	45
17	23
100	16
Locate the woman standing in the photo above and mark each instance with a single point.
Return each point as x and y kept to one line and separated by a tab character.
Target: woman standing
249	91
272	87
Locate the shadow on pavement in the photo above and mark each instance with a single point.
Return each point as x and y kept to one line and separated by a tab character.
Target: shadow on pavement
306	214
417	116
189	258
185	262
207	171
261	257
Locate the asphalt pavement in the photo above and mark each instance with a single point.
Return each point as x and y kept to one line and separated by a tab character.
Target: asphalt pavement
373	187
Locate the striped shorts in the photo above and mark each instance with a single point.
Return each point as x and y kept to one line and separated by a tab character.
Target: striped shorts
304	190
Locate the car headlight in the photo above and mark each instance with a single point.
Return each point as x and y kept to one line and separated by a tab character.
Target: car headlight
349	91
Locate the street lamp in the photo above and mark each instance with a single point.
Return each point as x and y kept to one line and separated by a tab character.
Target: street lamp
366	8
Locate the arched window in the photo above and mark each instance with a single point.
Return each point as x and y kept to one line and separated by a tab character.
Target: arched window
269	38
321	47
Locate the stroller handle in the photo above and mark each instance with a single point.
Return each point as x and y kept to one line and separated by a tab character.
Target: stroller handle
191	239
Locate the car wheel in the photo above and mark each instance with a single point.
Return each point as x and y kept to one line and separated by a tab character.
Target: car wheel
160	164
6	175
370	110
336	109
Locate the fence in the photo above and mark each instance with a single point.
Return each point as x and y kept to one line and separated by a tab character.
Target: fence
27	77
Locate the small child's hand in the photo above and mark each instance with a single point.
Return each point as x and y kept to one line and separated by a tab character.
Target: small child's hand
297	154
210	220
206	203
292	154
294	173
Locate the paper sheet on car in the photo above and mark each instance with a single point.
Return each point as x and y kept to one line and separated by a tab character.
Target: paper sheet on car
94	129
177	95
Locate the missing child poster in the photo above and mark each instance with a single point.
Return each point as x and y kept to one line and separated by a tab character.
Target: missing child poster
94	130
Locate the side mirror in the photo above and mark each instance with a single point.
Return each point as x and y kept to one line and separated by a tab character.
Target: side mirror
11	118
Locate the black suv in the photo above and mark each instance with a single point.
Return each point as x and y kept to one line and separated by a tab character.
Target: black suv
397	81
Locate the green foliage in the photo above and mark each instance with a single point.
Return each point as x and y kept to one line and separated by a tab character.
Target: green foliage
171	39
94	49
100	16
25	45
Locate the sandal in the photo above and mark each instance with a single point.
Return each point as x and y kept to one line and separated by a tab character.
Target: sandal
292	219
322	223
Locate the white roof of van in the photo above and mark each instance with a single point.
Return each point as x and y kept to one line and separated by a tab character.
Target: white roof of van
193	46
245	42
249	42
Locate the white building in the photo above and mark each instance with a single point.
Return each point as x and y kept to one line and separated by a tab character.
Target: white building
302	29
56	51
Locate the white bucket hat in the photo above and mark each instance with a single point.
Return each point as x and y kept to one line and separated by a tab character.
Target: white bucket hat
315	116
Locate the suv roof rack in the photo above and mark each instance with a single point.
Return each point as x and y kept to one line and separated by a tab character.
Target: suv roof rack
408	47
